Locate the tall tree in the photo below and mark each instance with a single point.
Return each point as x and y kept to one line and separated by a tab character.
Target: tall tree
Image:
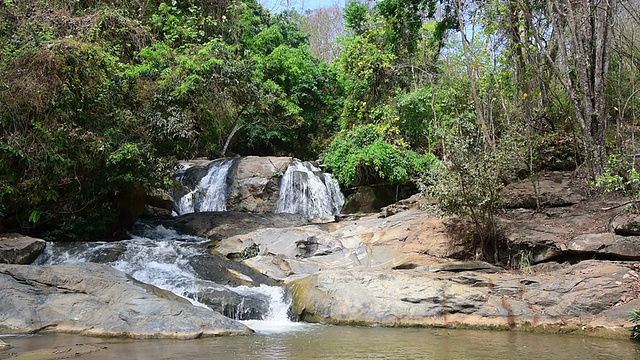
324	26
581	37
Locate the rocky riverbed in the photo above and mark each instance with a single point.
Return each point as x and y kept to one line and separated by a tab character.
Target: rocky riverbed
570	266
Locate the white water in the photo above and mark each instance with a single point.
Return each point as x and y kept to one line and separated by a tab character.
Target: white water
211	193
306	190
161	257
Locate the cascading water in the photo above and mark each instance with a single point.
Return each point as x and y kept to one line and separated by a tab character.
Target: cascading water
306	190
161	257
210	194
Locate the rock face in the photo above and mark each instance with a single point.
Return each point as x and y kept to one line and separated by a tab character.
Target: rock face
553	189
256	184
19	249
396	268
407	239
94	299
580	295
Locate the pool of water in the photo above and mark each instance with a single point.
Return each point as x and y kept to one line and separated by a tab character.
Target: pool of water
338	342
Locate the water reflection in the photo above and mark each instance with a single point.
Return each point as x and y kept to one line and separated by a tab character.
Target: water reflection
331	342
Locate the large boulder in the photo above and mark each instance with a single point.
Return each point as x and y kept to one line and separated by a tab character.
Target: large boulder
20	249
160	199
571	298
95	299
607	245
408	239
256	184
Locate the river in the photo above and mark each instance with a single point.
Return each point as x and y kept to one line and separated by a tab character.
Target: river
344	342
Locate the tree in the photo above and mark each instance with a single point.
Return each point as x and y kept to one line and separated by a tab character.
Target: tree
324	26
579	52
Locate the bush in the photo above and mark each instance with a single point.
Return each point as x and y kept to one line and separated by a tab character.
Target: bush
375	154
468	185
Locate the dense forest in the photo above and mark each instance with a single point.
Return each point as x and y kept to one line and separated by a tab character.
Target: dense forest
99	99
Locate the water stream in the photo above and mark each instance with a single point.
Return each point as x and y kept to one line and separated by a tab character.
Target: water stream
162	257
306	190
210	194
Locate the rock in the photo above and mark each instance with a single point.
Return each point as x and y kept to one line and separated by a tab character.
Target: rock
606	244
96	299
372	198
219	225
19	249
460	266
3	345
554	189
233	305
59	352
227	272
536	242
625	224
573	297
408	239
160	199
155	212
256	184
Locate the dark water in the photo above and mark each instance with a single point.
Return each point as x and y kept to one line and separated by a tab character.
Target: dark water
331	342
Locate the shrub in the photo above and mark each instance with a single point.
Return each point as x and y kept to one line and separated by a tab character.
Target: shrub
373	154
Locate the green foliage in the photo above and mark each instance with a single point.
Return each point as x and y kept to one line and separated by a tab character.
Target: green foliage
468	185
356	15
98	98
403	20
371	153
619	176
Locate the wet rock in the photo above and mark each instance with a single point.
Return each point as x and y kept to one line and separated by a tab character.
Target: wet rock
160	199
20	249
234	305
95	299
59	352
256	184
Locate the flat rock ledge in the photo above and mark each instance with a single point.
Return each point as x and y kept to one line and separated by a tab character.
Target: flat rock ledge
591	297
97	300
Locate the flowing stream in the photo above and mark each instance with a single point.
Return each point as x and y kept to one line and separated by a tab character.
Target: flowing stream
306	190
163	257
210	194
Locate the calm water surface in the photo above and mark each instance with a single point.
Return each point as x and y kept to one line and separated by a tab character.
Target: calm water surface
331	342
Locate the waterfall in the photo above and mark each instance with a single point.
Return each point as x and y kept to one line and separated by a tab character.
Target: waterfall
210	194
162	257
306	190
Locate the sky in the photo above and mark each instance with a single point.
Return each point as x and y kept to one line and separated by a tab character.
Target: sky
300	5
